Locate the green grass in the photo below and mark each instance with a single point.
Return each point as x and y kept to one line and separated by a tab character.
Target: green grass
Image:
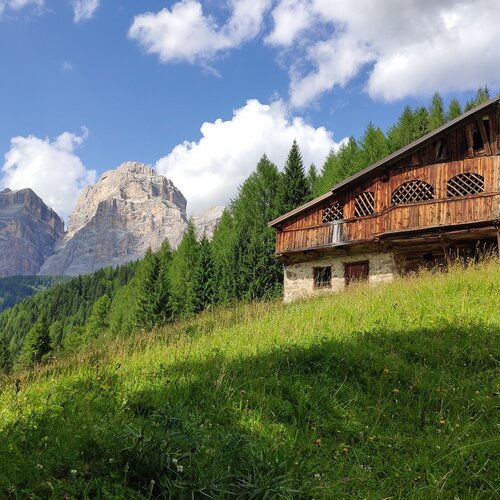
385	392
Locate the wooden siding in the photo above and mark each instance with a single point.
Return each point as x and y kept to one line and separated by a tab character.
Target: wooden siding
306	231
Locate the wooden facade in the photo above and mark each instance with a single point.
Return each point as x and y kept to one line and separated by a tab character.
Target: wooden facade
447	183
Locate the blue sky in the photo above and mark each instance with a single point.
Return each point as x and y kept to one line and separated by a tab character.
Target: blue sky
88	84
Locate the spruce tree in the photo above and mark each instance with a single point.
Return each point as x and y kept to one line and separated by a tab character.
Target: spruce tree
482	95
204	277
98	321
294	189
36	345
5	356
312	179
182	274
436	112
147	300
164	305
454	110
373	147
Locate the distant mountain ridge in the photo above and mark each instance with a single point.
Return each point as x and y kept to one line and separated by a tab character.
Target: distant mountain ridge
128	210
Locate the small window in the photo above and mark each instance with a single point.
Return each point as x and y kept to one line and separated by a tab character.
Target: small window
441	149
356	272
412	192
334	212
465	184
364	204
477	140
322	277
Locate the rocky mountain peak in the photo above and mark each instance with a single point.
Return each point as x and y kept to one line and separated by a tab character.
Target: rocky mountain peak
29	230
128	210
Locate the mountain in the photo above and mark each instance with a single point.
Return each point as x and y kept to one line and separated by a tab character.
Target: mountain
29	230
205	221
128	210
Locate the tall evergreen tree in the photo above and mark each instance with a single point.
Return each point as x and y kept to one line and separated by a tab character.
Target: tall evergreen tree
454	110
98	321
404	131
36	344
482	95
312	179
147	310
436	112
204	277
182	274
5	356
163	289
294	188
373	147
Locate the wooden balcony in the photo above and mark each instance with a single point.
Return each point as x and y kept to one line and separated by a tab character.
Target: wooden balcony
431	214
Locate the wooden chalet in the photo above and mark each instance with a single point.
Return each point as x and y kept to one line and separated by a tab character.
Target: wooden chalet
435	200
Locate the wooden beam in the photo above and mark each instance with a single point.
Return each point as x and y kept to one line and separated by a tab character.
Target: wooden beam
484	136
494	132
470	140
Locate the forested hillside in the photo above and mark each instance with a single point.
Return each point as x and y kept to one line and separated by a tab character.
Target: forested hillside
238	264
386	392
16	288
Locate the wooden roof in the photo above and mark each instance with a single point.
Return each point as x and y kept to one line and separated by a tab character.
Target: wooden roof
388	160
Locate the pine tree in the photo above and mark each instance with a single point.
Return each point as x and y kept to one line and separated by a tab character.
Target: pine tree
147	301
98	321
312	179
404	131
36	344
164	305
454	110
204	277
482	96
373	147
294	189
182	271
436	112
5	356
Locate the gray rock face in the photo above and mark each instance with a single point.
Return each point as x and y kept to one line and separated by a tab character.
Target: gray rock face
29	230
128	210
205	221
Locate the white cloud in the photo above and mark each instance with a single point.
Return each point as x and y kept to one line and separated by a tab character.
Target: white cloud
67	66
50	168
84	10
409	47
185	33
209	171
17	5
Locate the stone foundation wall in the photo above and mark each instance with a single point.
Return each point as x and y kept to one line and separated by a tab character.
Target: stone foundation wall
299	281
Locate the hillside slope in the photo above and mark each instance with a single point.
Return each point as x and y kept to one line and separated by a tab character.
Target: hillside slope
378	392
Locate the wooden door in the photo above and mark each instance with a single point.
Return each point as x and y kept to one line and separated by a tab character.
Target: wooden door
356	271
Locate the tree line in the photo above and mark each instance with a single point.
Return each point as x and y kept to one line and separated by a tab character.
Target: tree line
237	264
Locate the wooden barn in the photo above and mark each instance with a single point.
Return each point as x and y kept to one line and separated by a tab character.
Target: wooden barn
433	201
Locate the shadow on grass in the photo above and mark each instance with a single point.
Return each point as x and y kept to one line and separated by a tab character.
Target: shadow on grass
380	414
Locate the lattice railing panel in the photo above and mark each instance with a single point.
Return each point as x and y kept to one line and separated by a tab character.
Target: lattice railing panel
412	192
364	204
334	212
465	184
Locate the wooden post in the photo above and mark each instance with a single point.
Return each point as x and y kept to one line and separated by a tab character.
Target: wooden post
498	241
445	249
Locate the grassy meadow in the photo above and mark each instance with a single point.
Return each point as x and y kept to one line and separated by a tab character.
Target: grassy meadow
379	392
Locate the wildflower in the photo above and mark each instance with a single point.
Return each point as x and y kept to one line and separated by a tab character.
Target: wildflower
371	438
317	476
39	466
442	422
395	391
180	468
174	461
386	370
73	472
345	450
317	442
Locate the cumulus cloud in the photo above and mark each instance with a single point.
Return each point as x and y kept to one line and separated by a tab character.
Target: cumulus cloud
49	167
405	47
409	47
83	10
17	5
209	171
185	33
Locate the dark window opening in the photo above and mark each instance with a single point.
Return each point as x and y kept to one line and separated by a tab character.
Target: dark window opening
356	272
364	204
477	140
333	213
412	192
486	122
322	277
428	257
465	184
441	149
